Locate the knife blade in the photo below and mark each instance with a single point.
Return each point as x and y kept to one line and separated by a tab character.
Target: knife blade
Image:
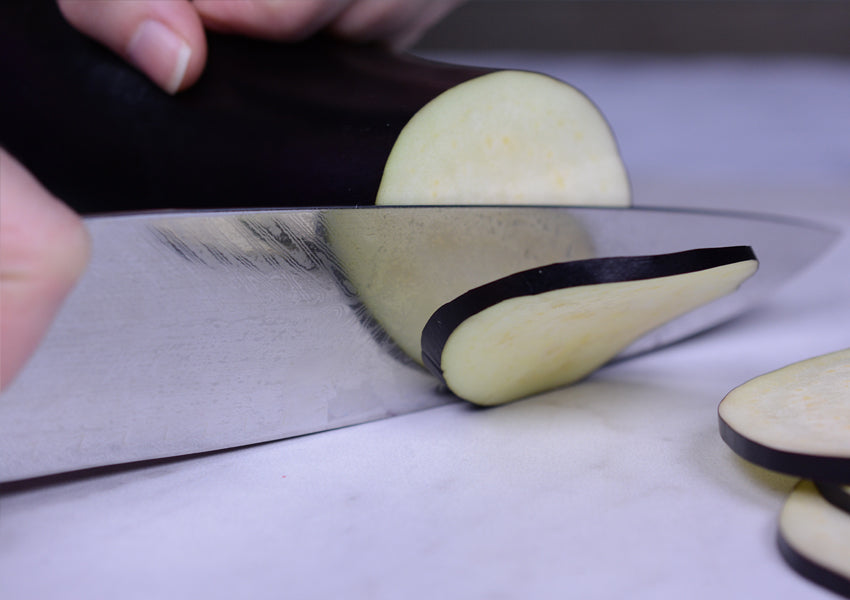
198	331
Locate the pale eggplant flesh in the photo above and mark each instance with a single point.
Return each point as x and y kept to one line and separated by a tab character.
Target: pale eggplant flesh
795	420
508	137
814	538
550	326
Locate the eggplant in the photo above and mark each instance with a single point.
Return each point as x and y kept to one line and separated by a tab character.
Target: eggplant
403	265
553	325
814	538
795	420
508	137
835	494
267	125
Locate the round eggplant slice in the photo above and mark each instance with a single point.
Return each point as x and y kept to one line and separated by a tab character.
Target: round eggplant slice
794	420
509	137
814	538
550	326
837	495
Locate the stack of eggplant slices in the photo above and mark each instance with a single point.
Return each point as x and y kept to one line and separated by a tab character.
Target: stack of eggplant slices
795	421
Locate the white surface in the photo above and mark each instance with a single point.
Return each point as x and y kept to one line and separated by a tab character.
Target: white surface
619	487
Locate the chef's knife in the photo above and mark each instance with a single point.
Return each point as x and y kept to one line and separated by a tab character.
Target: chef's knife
205	330
208	330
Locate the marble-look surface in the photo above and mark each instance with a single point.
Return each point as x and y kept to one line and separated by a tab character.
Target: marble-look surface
618	487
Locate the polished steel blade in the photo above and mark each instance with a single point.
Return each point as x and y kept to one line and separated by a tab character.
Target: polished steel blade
193	332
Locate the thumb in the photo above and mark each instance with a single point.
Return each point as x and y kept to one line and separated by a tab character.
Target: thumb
162	38
44	248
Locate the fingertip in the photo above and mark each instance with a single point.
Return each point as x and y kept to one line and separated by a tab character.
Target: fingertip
162	38
191	61
164	55
45	248
40	231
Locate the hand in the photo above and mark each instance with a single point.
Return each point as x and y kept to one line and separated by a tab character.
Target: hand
165	38
43	250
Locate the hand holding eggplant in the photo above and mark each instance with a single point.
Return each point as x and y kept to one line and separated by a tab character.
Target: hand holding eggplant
165	39
43	244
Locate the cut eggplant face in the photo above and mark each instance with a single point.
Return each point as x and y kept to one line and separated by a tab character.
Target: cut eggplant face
509	137
795	420
550	326
404	264
814	538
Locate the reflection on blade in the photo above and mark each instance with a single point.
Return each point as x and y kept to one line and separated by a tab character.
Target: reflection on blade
200	331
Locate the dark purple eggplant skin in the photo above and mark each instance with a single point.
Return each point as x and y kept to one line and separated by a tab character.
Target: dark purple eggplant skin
267	125
565	275
811	570
836	494
826	469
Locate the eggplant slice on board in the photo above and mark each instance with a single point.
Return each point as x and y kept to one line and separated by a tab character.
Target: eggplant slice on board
836	494
814	538
549	326
794	420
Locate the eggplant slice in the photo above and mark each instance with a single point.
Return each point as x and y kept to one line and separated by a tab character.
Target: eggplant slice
814	538
794	420
549	326
837	495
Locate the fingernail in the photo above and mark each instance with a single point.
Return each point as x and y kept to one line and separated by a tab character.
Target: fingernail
160	53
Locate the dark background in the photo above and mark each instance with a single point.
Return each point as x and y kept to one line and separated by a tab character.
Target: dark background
665	26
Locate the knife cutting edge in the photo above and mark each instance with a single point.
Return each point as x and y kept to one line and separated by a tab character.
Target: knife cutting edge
202	330
208	330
